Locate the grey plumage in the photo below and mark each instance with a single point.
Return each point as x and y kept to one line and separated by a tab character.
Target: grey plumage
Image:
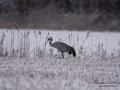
62	47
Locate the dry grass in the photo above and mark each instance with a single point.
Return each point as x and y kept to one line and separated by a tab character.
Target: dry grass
18	45
52	74
24	69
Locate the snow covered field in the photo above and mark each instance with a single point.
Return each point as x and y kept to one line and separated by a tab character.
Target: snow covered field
26	63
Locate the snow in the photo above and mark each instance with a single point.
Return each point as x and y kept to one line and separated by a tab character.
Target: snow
50	73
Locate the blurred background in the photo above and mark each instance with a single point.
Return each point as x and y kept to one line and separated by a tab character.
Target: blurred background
95	15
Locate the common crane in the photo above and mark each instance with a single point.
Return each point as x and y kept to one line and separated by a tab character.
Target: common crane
62	47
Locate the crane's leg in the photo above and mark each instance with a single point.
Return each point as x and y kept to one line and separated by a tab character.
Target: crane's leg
62	55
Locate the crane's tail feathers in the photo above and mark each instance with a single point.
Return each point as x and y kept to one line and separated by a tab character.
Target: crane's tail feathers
72	51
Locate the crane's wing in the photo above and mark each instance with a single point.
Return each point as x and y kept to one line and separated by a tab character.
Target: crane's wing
62	47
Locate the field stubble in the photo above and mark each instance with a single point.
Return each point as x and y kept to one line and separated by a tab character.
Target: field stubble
33	66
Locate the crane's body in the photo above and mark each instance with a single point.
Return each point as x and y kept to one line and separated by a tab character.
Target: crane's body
62	47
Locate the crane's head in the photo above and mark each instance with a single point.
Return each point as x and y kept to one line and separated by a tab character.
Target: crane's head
48	39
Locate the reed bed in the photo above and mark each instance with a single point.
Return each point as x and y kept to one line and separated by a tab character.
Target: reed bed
31	43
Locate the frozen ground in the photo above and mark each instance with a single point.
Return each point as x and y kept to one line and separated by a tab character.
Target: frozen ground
60	74
96	68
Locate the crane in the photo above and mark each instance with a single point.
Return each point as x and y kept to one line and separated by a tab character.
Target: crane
62	47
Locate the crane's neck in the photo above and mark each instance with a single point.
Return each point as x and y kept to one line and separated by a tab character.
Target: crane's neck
50	42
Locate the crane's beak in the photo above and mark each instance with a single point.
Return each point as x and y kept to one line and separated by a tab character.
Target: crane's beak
46	41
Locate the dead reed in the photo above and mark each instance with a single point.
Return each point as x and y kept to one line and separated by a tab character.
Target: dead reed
19	45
